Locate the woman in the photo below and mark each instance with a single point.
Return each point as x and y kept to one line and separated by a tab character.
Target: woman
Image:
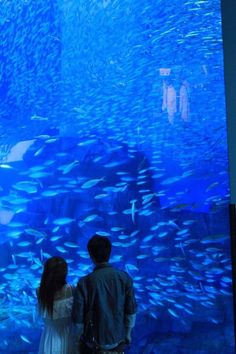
55	298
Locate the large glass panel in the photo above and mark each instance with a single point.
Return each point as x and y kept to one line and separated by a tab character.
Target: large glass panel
113	121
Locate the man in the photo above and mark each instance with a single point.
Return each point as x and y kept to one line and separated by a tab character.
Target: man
104	304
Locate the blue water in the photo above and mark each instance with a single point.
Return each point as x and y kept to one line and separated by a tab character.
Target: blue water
113	121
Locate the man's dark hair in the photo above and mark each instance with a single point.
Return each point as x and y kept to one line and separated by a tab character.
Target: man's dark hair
99	247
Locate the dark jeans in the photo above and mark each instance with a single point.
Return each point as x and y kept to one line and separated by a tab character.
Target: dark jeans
86	350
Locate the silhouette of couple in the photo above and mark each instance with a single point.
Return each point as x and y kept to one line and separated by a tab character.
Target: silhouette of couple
96	316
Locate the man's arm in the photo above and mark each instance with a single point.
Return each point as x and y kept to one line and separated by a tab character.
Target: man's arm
78	311
129	325
130	309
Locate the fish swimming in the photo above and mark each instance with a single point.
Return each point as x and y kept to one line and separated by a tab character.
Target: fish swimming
91	183
63	221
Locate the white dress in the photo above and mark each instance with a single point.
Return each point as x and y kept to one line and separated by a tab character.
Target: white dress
58	335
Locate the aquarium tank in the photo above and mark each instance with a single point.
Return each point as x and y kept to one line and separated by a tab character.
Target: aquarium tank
112	120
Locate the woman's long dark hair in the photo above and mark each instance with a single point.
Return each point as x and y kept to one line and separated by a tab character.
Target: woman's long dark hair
52	280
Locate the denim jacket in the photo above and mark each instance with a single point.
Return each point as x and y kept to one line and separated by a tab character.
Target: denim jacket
103	303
